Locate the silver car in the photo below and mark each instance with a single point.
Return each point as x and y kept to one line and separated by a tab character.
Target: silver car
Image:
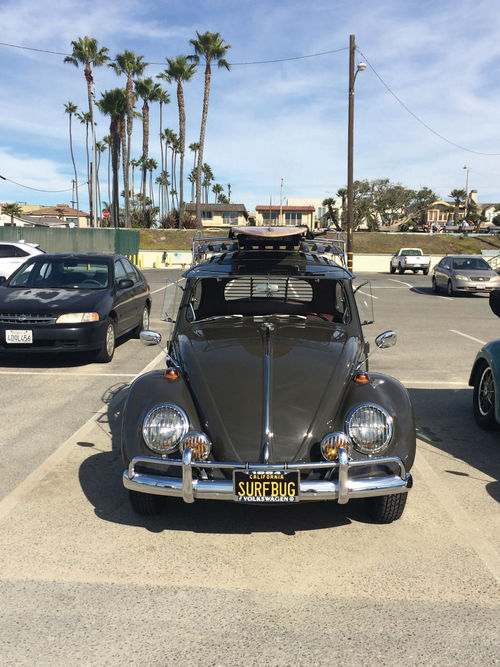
464	273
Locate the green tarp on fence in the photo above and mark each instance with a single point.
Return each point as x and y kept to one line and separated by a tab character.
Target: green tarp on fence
66	239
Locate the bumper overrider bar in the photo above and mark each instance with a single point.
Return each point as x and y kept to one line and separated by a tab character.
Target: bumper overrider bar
341	487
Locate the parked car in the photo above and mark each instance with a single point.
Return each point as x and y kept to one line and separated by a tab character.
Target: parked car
266	396
485	378
13	254
410	259
73	302
464	273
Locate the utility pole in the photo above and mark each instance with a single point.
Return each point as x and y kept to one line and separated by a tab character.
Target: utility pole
350	151
466	191
281	203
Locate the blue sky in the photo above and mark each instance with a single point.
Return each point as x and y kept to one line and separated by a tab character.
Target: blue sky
266	122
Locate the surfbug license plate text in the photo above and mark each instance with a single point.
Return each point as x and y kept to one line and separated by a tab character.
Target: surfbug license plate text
266	487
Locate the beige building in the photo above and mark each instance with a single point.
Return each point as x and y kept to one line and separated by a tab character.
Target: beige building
286	215
220	215
61	212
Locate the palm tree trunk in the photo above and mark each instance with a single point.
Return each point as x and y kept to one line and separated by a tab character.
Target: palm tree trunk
124	162
130	115
182	142
74	165
203	128
145	148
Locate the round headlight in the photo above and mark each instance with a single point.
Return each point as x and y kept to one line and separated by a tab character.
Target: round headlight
331	443
198	443
164	426
370	428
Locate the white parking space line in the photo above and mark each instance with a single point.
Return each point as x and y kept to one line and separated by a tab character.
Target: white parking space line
401	282
35	477
476	340
418	384
372	295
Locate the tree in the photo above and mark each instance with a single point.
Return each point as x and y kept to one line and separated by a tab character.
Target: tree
329	202
458	197
84	119
195	147
129	64
217	189
209	47
71	109
148	91
113	103
179	70
208	177
86	52
12	209
164	98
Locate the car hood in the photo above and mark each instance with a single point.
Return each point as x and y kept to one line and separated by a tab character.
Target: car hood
49	301
308	365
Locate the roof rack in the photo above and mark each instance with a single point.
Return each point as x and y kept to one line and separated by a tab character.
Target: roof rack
298	239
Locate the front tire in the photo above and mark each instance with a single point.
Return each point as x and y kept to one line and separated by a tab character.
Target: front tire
386	509
483	398
435	287
107	350
401	270
143	324
425	271
392	269
146	504
449	289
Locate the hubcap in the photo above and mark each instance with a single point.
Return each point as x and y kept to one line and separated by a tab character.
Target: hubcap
486	393
110	339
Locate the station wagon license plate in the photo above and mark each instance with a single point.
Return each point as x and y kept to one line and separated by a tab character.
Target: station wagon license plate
255	486
18	336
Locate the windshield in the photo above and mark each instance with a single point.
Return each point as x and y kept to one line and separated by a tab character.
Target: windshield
474	263
62	274
411	252
312	298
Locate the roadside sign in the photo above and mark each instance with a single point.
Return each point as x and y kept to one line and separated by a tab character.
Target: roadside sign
105	214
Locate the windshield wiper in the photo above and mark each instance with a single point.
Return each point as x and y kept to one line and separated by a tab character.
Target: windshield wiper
219	317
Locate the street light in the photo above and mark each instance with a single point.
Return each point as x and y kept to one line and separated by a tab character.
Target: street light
350	151
466	191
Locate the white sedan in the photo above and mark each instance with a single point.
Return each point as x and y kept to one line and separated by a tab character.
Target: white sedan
13	254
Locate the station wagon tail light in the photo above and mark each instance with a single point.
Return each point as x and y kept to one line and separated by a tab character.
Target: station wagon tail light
198	443
163	427
77	318
370	428
331	443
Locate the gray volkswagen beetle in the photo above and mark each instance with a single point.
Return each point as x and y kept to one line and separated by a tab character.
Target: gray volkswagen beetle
266	397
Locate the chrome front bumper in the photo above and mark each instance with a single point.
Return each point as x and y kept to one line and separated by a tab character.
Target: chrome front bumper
341	488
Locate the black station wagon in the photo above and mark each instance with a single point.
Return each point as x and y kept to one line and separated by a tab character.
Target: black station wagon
267	397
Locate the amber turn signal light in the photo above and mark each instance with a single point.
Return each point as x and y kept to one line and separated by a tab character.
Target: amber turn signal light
171	374
361	378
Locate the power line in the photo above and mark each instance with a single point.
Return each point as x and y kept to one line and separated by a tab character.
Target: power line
255	62
417	118
28	187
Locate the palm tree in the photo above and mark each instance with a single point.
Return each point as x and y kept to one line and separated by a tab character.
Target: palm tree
342	193
84	119
329	202
217	189
107	141
208	177
71	109
195	147
101	147
458	197
164	98
131	65
113	103
149	92
86	52
209	47
12	210
179	70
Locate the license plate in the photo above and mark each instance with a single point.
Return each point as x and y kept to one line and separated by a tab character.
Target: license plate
18	336
480	286
266	487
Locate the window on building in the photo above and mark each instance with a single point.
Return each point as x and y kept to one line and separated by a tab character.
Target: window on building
75	220
207	215
229	218
293	217
274	215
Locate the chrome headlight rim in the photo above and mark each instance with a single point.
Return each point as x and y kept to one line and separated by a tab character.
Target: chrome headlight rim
184	427
185	443
389	425
334	435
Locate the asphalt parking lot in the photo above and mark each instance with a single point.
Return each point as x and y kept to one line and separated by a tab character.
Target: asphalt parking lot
85	581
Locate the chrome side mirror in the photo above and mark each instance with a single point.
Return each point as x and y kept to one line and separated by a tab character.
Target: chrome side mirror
386	339
149	337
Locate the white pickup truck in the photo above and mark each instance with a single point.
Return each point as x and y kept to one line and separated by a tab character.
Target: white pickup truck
410	259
